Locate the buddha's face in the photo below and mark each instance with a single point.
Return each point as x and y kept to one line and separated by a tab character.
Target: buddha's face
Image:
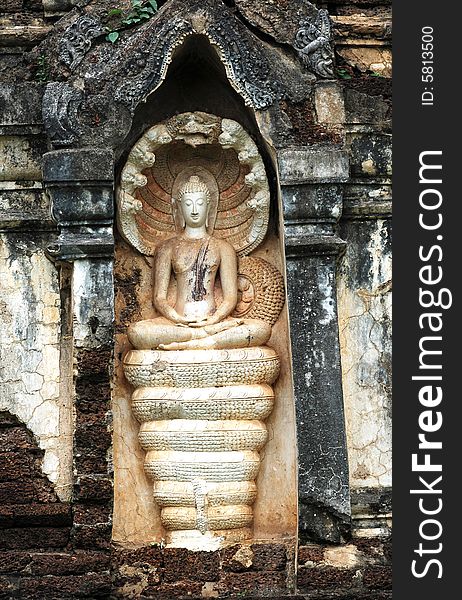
195	208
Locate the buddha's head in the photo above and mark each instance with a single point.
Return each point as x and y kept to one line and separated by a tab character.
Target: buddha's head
194	200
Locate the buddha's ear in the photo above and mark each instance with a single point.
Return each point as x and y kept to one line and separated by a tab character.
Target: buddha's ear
208	211
178	213
181	218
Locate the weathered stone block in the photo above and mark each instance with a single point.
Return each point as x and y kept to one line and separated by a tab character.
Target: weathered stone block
12	563
77	563
20	103
318	205
91	537
180	564
65	588
82	165
34	537
92	397
21	158
80	184
92	436
312	553
260	583
361	26
93	489
87	514
57	7
35	515
329	103
269	557
314	165
23	492
152	555
378	578
377	60
370	155
181	589
24	208
17	465
368	106
316	578
94	363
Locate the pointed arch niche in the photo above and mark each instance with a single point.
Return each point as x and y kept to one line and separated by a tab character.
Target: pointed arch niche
197	81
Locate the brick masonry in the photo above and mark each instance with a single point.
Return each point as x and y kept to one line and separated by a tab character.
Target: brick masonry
59	551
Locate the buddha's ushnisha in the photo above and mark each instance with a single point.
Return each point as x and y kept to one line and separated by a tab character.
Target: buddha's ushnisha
197	259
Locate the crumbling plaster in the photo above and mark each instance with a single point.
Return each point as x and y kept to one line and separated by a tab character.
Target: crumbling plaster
364	296
30	351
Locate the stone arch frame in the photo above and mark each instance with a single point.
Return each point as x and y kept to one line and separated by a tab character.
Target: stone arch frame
79	177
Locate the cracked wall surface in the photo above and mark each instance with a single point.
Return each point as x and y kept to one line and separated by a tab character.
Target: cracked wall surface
364	296
30	351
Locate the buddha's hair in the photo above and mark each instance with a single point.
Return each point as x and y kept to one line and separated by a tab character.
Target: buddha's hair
194	184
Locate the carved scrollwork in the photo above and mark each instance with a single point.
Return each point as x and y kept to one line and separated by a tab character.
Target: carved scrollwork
77	40
246	66
149	59
124	74
313	42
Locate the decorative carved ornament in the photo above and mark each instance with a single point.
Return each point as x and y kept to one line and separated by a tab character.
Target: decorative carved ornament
77	40
225	156
246	67
107	86
313	42
138	63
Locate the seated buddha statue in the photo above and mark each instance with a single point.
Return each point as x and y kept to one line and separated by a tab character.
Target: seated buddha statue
196	259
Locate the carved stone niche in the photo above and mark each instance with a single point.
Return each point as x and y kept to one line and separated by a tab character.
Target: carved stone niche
204	424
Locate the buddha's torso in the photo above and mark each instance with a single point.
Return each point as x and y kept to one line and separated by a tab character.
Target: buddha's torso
195	264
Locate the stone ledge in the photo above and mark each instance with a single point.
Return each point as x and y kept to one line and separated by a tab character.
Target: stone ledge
359	27
79	165
311	245
21	104
23	35
316	165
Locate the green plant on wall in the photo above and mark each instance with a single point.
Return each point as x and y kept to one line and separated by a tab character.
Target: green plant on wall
141	10
343	73
42	73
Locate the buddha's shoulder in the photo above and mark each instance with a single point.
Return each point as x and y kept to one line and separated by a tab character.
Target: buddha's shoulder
222	245
166	245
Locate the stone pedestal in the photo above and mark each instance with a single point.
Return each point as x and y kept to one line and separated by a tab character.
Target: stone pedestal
201	415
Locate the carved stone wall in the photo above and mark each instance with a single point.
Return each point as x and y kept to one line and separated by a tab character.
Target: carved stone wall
329	137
